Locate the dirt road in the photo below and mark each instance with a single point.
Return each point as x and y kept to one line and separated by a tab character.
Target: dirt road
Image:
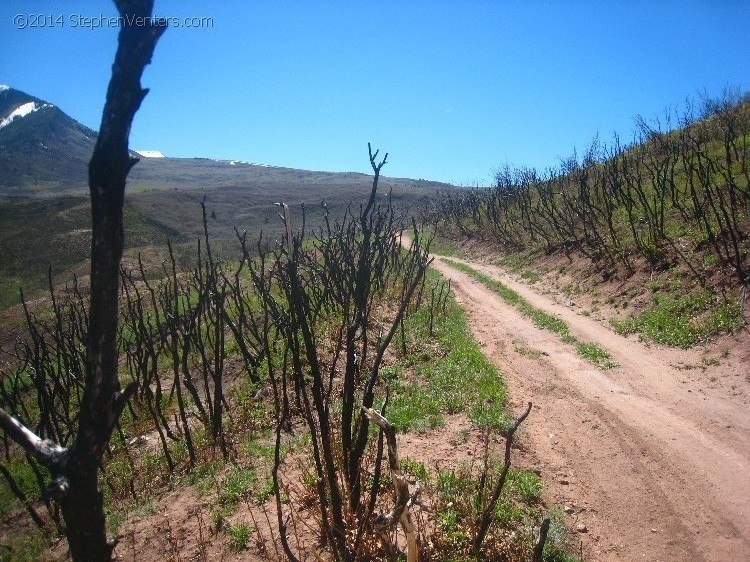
651	463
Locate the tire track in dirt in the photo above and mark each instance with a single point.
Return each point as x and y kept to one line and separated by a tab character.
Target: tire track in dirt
654	469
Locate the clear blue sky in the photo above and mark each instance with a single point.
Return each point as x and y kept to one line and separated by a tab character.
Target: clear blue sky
452	90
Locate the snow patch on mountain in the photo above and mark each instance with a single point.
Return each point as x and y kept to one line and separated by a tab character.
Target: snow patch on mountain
22	111
150	153
3	87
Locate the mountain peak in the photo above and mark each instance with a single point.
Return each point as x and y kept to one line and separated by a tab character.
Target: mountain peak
40	144
4	87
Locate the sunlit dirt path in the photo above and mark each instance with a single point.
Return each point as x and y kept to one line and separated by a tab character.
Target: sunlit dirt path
649	465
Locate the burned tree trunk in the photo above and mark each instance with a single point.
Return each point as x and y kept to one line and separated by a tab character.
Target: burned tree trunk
75	469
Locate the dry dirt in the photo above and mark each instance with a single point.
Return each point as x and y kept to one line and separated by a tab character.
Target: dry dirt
652	458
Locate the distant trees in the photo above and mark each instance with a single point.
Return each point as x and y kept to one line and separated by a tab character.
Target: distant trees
75	468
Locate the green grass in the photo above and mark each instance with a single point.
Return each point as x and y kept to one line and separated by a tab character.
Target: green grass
527	485
24	547
445	246
203	476
517	514
447	374
591	352
239	535
236	485
683	320
519	261
24	477
530	276
596	354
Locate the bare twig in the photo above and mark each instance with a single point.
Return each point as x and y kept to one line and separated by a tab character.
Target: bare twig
486	519
400	511
541	539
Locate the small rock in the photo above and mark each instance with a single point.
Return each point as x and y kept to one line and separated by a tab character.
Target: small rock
581	528
564	482
653	530
569	510
263	393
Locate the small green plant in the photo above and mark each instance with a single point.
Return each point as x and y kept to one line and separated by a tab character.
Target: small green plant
239	535
558	539
712	362
596	354
452	484
448	519
255	448
202	477
219	516
530	276
265	491
509	513
528	486
414	468
236	486
569	289
529	352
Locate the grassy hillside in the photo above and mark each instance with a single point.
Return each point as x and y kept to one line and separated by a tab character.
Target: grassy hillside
46	228
673	207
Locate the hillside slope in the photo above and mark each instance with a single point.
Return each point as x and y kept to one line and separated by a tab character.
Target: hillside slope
678	196
658	231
